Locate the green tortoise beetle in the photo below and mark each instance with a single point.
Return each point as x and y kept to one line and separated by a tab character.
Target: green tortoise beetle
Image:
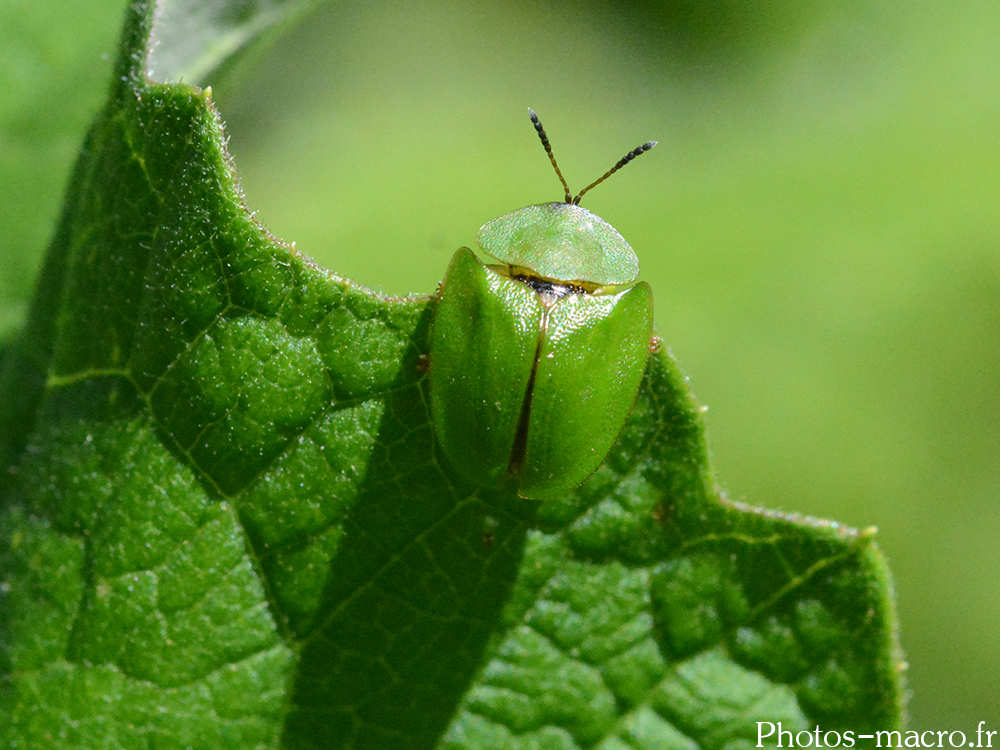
536	360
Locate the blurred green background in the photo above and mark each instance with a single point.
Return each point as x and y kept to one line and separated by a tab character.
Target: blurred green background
820	225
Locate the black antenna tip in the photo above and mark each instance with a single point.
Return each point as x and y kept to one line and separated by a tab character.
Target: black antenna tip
535	121
637	151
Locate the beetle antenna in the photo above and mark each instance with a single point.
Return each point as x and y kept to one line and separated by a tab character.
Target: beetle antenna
548	149
621	163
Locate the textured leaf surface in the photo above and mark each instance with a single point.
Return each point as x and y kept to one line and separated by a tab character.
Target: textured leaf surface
225	524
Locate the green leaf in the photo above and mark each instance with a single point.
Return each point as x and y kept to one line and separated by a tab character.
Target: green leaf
225	523
53	79
191	38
